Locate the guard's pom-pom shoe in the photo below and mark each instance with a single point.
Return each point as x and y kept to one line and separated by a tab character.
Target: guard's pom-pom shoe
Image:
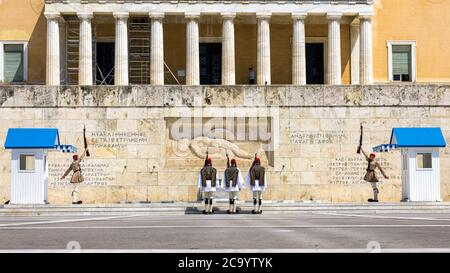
253	212
260	212
228	211
204	212
80	202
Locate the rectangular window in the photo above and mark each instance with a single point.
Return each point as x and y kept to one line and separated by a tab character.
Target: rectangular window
13	63
424	161
401	63
27	163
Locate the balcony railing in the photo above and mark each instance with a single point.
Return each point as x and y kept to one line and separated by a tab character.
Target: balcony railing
318	2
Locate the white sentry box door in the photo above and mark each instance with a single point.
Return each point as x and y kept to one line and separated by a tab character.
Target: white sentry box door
27	187
424	184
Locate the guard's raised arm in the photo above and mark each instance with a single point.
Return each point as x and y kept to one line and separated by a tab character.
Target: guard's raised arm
365	154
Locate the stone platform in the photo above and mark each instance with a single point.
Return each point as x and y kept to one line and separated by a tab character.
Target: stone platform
181	208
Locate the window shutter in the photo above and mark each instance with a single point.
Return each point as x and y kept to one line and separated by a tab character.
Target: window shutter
401	56
13	63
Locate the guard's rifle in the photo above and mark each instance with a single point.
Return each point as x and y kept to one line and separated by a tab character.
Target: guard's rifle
206	157
360	140
85	141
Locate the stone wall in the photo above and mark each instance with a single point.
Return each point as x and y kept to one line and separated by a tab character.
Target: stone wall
314	133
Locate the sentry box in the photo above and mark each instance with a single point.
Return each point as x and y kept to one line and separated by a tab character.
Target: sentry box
419	149
29	166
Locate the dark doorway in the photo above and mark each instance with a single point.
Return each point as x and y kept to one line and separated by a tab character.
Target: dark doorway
105	64
314	63
210	63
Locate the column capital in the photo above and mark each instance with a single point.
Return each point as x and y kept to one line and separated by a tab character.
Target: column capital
334	16
365	16
299	15
156	15
192	15
228	15
85	15
52	15
263	15
121	15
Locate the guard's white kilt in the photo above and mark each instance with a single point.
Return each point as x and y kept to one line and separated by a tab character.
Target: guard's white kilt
257	186
208	187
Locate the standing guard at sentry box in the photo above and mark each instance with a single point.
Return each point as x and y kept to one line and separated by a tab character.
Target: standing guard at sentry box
207	182
257	183
232	183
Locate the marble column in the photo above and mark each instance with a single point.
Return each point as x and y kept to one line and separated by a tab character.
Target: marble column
228	49
263	54
85	49
192	49
53	49
334	48
366	58
157	49
355	51
298	49
121	49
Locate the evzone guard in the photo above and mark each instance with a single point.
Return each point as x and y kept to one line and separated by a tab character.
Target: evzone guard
207	182
77	177
371	176
257	183
232	183
75	167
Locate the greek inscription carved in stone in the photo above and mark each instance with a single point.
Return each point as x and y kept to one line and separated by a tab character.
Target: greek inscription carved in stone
116	139
332	137
95	173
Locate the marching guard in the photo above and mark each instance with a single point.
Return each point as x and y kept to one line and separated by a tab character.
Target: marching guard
232	183
77	177
257	183
371	176
207	182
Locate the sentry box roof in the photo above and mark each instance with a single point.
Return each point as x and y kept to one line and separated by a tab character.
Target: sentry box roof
36	138
417	137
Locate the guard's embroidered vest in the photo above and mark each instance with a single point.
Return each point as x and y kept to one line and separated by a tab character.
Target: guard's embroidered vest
231	174
208	173
76	167
371	166
257	173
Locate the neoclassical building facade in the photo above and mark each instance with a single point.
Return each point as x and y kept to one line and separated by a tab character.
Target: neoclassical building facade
221	42
225	13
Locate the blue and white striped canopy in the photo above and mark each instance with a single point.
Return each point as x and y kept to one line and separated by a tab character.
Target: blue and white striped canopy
66	148
384	148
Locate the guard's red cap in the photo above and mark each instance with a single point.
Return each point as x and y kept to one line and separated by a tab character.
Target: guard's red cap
233	161
258	160
75	157
208	160
373	155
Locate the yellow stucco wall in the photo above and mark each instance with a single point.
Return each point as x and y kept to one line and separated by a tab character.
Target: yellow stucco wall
23	20
424	21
